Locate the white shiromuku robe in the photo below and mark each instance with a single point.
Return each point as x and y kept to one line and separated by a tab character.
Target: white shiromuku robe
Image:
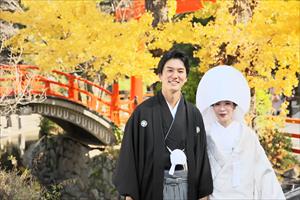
246	172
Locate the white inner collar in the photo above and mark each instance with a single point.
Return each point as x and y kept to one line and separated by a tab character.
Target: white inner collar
226	138
173	110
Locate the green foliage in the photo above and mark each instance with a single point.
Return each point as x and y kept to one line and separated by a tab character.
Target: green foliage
9	157
263	102
48	127
53	193
278	146
118	133
276	143
191	86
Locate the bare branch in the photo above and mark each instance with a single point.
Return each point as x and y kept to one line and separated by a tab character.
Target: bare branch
17	86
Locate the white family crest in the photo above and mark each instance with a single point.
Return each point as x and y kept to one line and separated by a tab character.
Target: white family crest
144	123
197	129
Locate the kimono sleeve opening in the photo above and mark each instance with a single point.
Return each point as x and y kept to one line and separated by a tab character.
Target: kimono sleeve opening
266	183
205	184
125	177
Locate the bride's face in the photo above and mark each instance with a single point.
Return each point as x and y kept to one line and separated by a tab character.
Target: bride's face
224	112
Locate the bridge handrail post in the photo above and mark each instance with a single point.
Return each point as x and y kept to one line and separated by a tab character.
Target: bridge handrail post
76	89
114	109
136	92
71	80
47	87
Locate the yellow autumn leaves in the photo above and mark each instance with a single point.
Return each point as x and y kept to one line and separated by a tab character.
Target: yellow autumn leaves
66	33
263	48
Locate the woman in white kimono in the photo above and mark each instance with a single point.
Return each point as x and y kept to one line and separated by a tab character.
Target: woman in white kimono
239	165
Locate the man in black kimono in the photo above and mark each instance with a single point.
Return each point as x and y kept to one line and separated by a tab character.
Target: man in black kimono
158	127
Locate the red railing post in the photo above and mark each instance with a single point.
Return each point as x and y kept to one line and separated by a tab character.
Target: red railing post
76	88
71	87
136	91
114	109
47	87
93	102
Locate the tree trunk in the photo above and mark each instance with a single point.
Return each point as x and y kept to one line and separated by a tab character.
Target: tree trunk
243	10
159	10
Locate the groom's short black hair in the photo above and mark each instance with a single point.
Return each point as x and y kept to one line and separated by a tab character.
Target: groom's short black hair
173	54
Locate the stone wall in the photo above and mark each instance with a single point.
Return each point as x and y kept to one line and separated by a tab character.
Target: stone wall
83	172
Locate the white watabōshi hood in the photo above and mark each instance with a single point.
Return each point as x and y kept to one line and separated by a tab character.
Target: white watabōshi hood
223	83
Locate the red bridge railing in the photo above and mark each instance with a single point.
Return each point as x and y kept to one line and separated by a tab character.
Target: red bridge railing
294	134
109	103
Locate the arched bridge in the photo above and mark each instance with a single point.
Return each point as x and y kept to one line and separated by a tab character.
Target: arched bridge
85	110
81	123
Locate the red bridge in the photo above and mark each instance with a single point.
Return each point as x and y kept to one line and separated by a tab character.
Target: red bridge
109	103
81	107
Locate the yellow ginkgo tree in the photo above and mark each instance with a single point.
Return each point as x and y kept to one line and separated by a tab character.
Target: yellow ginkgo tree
64	34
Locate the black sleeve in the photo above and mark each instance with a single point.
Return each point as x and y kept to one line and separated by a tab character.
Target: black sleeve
205	184
125	177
